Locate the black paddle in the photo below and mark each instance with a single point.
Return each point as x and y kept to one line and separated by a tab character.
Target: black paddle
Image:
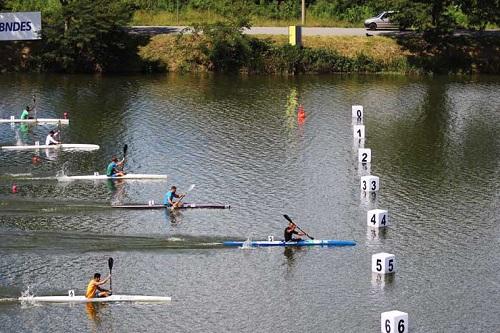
290	220
110	265
34	104
125	148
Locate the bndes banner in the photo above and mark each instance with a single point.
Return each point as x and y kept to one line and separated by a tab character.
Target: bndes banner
20	26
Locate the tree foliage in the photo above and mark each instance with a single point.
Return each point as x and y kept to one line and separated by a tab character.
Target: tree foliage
85	35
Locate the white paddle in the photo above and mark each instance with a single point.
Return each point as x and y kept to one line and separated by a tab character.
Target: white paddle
183	196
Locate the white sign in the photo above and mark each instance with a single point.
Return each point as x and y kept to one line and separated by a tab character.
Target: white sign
20	26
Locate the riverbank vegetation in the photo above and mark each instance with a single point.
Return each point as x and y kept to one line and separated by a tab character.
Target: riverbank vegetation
421	14
90	36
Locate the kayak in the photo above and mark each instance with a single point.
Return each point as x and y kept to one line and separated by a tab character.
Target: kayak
83	299
72	146
35	121
308	242
97	176
184	206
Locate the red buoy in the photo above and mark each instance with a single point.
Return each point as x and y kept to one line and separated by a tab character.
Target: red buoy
65	115
36	159
14	188
301	114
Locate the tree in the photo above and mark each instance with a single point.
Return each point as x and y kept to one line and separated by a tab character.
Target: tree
85	35
481	12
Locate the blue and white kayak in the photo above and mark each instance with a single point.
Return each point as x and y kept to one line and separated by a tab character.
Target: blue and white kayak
308	242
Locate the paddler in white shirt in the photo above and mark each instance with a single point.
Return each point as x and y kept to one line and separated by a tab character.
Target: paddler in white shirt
50	140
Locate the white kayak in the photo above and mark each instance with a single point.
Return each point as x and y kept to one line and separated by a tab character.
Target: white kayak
97	176
83	299
36	121
68	146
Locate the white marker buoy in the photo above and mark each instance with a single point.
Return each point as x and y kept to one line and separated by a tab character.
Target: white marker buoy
384	263
357	111
370	183
358	131
394	322
364	155
377	218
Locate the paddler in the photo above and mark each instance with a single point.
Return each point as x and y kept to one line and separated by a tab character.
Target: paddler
168	200
290	231
112	169
26	113
94	289
50	140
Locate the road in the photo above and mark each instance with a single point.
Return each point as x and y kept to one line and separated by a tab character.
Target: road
308	31
313	31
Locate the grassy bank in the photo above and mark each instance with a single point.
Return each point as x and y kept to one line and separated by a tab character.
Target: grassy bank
326	54
188	16
273	55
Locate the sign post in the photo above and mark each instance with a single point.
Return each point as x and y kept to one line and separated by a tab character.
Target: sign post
20	26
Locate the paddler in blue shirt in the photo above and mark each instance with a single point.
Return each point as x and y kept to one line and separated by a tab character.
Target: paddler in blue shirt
168	200
112	169
290	231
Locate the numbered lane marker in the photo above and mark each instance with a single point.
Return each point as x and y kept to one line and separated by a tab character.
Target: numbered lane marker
364	155
357	111
394	322
377	218
358	131
370	183
384	263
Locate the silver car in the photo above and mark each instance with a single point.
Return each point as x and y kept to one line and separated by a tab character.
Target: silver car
381	21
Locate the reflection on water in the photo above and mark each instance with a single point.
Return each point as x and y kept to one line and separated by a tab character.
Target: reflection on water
435	146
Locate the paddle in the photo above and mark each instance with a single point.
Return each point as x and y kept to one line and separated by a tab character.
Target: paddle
110	265
290	220
34	104
183	196
125	148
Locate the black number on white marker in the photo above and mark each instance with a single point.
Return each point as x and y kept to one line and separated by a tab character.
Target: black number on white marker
365	156
401	326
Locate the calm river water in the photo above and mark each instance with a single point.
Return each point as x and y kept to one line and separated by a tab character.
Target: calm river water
436	148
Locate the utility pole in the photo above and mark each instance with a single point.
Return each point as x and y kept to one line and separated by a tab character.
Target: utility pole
303	12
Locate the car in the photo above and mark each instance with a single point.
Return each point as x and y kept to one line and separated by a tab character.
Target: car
381	21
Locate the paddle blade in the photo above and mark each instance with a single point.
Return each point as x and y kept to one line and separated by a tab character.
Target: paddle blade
288	218
191	187
110	263
125	148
